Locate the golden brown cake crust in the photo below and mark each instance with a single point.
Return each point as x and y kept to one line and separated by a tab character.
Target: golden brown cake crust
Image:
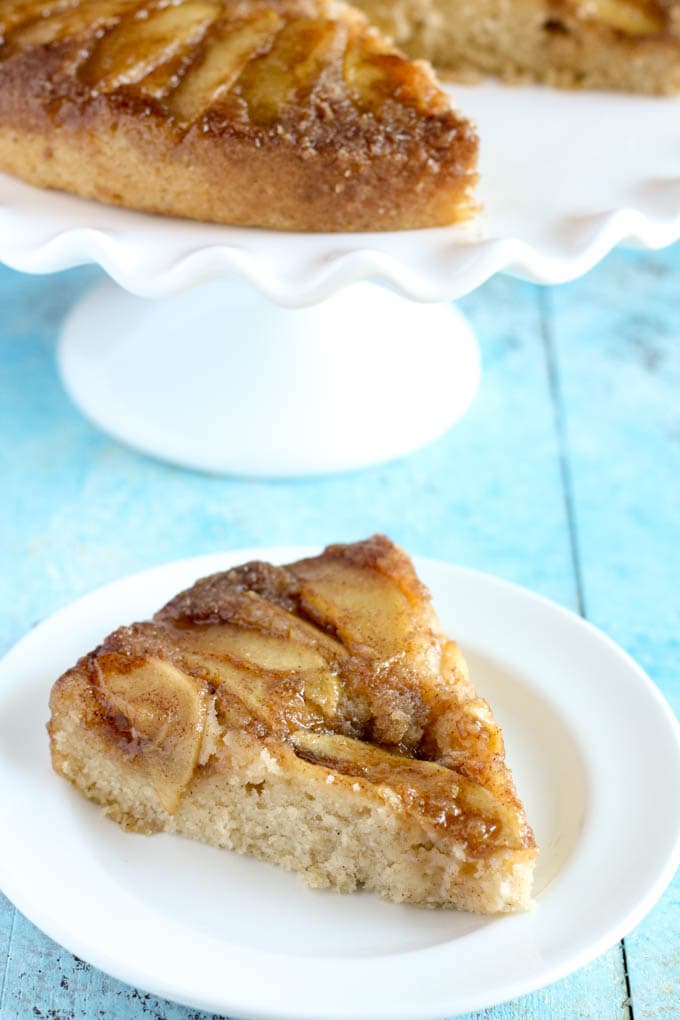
326	687
308	120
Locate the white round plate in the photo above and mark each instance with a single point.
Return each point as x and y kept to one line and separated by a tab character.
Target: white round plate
565	177
595	752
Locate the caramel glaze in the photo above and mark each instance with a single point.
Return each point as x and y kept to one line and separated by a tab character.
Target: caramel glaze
385	712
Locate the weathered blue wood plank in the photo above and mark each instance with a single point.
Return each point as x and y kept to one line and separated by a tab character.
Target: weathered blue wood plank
7	919
83	510
619	371
43	980
82	507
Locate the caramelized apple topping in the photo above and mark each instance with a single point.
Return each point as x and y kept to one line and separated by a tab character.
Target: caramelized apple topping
340	658
257	60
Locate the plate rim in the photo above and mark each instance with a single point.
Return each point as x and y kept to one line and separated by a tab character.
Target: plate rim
134	975
459	259
77	247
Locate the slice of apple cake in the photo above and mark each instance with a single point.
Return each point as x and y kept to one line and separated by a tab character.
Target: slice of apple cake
615	44
314	715
288	114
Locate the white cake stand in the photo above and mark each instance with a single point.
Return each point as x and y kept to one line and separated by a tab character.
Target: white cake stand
268	355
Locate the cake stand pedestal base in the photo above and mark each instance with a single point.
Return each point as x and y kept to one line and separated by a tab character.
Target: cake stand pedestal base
222	380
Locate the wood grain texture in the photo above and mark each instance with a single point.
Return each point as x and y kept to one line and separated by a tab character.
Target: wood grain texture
620	399
548	482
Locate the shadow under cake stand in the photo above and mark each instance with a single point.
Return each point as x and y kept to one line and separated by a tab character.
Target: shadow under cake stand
266	354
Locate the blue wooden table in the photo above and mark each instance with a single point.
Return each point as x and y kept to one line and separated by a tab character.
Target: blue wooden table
564	477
